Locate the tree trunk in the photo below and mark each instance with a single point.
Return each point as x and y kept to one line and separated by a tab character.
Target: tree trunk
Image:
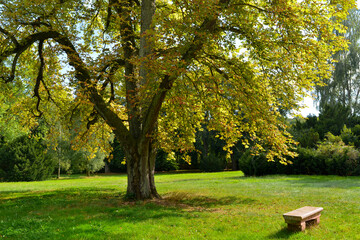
234	162
141	157
59	169
140	172
107	168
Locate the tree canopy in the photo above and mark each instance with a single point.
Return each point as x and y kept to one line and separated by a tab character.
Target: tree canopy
343	87
153	70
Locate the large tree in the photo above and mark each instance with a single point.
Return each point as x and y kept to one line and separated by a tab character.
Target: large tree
344	85
151	70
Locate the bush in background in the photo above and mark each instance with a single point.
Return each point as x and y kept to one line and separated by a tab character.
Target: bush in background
116	162
332	157
25	159
165	161
340	159
252	165
212	163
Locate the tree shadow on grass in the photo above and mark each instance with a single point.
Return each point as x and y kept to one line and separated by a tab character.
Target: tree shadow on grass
282	234
89	213
184	199
326	182
76	214
67	193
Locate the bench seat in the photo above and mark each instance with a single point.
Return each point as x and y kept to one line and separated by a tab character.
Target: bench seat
299	218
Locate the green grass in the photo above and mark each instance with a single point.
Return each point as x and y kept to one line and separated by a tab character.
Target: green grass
195	206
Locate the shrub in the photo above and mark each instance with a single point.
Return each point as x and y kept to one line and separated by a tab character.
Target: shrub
347	136
25	159
252	165
117	158
165	161
356	130
340	159
332	157
212	163
308	138
307	162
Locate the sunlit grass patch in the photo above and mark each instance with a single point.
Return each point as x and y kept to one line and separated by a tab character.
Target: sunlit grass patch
223	205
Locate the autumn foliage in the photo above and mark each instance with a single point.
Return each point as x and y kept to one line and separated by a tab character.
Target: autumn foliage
151	70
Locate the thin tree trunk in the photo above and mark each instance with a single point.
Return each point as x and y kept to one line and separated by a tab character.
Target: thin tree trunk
59	154
107	168
234	163
59	169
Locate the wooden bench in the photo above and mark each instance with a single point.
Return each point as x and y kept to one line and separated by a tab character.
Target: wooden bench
299	218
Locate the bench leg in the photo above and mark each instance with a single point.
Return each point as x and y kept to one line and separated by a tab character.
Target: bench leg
297	227
313	222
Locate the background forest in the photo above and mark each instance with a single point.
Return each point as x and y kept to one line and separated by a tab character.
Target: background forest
328	143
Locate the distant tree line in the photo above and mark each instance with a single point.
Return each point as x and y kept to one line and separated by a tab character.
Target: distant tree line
329	144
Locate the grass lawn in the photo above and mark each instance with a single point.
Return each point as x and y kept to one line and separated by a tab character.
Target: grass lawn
195	206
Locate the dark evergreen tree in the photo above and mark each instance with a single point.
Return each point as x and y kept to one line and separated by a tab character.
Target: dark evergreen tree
332	118
210	146
25	159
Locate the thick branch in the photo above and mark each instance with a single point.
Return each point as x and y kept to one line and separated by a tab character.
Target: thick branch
147	13
13	39
148	8
92	121
108	18
82	75
155	105
210	26
123	9
27	42
39	78
115	64
13	69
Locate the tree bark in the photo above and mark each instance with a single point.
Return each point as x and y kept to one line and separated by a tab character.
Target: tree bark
140	170
140	157
107	168
234	163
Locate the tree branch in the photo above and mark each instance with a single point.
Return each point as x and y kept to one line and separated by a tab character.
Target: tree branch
115	64
13	69
107	81
108	18
123	9
81	74
39	78
27	42
209	25
13	39
94	119
36	23
250	5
